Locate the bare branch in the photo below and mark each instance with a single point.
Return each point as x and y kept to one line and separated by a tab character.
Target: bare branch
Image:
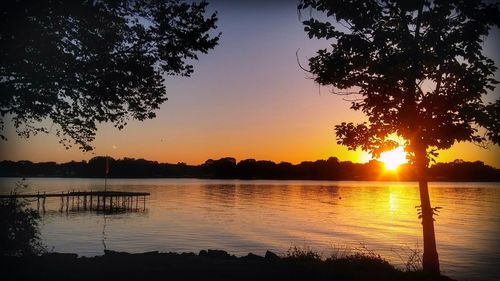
298	61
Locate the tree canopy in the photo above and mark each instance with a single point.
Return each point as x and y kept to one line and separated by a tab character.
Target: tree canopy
227	168
415	68
80	63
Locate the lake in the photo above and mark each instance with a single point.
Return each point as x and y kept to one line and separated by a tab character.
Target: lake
240	216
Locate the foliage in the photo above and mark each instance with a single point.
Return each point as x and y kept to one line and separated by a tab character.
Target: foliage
79	63
19	232
330	169
414	260
410	257
414	68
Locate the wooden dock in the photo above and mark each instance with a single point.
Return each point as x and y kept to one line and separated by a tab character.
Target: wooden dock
105	201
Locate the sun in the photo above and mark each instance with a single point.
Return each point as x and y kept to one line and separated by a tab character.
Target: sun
393	158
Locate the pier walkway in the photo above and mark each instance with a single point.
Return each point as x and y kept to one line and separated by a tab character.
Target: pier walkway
106	201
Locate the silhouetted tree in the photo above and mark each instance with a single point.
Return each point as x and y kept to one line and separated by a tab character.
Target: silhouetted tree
247	169
416	70
79	63
222	168
331	169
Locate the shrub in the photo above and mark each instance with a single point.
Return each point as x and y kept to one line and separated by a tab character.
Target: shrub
19	229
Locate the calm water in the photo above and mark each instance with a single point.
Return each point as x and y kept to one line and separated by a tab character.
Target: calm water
188	215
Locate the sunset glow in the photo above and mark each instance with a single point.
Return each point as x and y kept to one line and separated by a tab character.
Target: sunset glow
266	110
392	159
229	140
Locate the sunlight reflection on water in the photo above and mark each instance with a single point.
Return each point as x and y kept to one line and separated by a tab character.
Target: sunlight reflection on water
254	216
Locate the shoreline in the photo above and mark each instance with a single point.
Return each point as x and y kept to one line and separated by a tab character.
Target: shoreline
251	169
244	179
206	265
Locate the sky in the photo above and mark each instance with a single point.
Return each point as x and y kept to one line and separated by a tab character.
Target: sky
248	98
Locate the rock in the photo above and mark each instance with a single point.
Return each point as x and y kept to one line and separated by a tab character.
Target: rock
152	253
115	253
271	256
252	257
219	254
62	256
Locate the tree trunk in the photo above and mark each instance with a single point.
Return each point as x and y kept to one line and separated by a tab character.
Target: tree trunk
430	258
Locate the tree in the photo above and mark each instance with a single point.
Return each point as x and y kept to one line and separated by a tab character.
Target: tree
79	63
416	70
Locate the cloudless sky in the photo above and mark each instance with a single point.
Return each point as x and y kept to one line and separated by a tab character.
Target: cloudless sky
248	98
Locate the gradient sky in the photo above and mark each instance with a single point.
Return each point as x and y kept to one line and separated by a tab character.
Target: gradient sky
248	98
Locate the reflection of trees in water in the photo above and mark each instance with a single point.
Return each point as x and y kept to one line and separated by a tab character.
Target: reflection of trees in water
315	191
224	194
262	195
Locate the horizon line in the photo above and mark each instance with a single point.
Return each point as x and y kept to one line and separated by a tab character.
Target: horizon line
431	163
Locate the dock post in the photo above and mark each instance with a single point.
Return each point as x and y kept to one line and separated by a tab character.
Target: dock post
137	203
111	203
43	203
85	202
38	202
104	203
62	201
67	201
144	203
91	200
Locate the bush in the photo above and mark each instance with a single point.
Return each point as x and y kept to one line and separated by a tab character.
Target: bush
302	254
19	229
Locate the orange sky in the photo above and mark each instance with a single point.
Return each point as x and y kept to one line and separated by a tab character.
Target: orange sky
248	98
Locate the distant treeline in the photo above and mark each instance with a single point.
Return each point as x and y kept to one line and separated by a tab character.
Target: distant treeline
229	168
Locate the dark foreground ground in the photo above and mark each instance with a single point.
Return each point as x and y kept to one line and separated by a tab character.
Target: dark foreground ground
207	265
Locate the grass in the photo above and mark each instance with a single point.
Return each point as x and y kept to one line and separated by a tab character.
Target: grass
410	257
